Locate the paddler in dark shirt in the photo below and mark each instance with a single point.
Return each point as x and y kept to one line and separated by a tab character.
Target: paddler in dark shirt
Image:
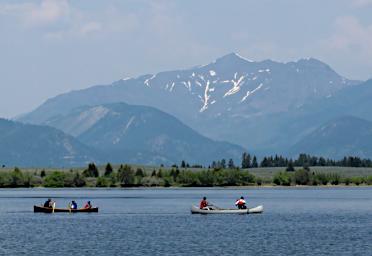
48	203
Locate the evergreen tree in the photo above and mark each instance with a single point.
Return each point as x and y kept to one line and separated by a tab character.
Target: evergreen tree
276	161
246	160
92	171
244	164
254	162
302	160
139	173
108	169
223	164
290	167
159	174
183	164
126	175
231	164
214	164
264	162
322	161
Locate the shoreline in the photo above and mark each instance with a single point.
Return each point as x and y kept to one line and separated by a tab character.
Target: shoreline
190	188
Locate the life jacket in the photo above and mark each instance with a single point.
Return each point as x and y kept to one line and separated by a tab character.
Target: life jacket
240	202
203	204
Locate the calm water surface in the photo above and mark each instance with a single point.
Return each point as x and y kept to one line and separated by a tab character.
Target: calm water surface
310	221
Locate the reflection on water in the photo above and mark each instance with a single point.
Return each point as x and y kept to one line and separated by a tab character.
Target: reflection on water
309	221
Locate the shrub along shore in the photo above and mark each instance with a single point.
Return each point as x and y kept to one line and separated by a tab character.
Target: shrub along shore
134	176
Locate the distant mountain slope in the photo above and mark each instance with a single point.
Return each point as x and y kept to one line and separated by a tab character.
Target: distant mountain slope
232	98
140	134
344	136
355	100
40	146
292	126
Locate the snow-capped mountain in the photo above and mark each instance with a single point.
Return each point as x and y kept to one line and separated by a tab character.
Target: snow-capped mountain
234	84
232	98
231	85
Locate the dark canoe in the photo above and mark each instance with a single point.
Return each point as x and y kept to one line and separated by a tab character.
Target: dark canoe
50	210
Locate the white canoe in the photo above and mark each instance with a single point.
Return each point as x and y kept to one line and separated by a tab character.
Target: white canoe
216	210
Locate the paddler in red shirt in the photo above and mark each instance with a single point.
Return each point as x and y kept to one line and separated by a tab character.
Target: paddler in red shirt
241	203
203	203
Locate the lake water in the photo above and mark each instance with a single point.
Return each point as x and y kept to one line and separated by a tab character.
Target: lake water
296	221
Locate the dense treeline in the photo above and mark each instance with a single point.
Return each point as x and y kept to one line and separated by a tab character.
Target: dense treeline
129	176
303	160
126	176
306	177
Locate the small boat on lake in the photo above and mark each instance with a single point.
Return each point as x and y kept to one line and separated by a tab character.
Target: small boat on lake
217	210
50	210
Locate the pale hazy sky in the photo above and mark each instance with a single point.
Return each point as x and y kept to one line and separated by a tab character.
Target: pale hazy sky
49	47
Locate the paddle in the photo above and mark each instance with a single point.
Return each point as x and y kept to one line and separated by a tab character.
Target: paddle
53	206
214	207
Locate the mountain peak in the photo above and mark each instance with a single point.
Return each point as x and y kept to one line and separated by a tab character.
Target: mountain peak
233	58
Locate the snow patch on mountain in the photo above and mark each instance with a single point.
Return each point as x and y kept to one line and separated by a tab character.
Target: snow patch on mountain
147	81
237	83
68	147
251	92
187	85
118	138
206	97
201	77
243	58
264	70
172	86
